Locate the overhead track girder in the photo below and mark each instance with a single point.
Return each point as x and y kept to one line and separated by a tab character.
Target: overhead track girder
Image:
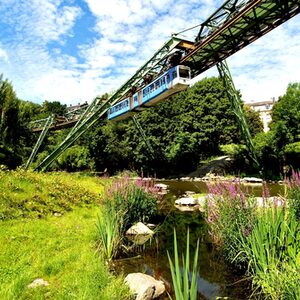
235	25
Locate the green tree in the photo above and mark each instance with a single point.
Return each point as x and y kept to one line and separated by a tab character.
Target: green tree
54	107
286	120
254	122
182	131
10	126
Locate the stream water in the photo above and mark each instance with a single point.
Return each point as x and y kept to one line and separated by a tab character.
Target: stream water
216	278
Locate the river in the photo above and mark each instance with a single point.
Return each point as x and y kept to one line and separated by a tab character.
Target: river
216	278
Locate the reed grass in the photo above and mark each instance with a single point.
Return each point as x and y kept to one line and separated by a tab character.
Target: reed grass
184	280
109	224
266	240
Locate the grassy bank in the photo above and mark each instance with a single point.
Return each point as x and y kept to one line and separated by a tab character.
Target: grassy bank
60	249
30	194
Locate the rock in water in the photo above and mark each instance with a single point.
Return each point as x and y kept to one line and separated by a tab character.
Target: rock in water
144	286
139	228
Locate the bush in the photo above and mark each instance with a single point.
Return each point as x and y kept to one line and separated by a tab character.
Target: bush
230	215
234	150
266	240
137	199
272	249
293	193
292	155
109	225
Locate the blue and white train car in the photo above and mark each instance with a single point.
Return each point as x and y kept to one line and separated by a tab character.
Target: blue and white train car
171	82
120	111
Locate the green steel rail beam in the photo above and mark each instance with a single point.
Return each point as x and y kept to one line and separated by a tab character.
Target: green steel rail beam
139	127
98	108
235	25
35	149
236	104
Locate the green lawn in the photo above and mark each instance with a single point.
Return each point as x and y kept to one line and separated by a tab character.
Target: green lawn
34	243
62	251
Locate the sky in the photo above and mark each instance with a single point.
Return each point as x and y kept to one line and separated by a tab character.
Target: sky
74	50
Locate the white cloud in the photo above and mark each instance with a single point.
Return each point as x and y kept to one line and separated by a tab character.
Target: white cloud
3	55
126	34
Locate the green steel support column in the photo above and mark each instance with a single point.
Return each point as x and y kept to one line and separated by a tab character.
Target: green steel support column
139	127
236	103
36	147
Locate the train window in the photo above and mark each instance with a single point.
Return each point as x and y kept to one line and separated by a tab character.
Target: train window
174	74
157	84
151	87
168	78
135	98
163	80
184	73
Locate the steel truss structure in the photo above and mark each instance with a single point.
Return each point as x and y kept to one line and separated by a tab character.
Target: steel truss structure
236	104
230	28
236	24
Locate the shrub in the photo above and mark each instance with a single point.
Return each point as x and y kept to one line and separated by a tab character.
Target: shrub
137	199
293	193
230	215
292	154
272	249
265	239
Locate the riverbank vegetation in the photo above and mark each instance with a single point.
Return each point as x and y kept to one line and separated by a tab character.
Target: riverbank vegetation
263	238
124	204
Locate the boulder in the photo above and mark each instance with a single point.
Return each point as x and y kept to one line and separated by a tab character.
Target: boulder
139	229
189	193
186	201
161	186
185	178
144	286
252	180
139	233
187	208
202	202
269	201
37	283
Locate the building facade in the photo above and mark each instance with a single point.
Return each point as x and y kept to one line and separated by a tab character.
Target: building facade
264	108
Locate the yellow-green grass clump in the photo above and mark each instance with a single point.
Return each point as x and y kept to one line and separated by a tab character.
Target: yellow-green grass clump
31	194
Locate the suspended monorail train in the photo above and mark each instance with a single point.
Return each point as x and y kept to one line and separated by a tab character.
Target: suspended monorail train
173	81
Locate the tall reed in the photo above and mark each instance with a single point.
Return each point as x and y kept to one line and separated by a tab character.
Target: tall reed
293	193
184	280
230	214
273	247
109	224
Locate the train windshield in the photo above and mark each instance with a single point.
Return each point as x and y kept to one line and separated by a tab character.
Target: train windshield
184	73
